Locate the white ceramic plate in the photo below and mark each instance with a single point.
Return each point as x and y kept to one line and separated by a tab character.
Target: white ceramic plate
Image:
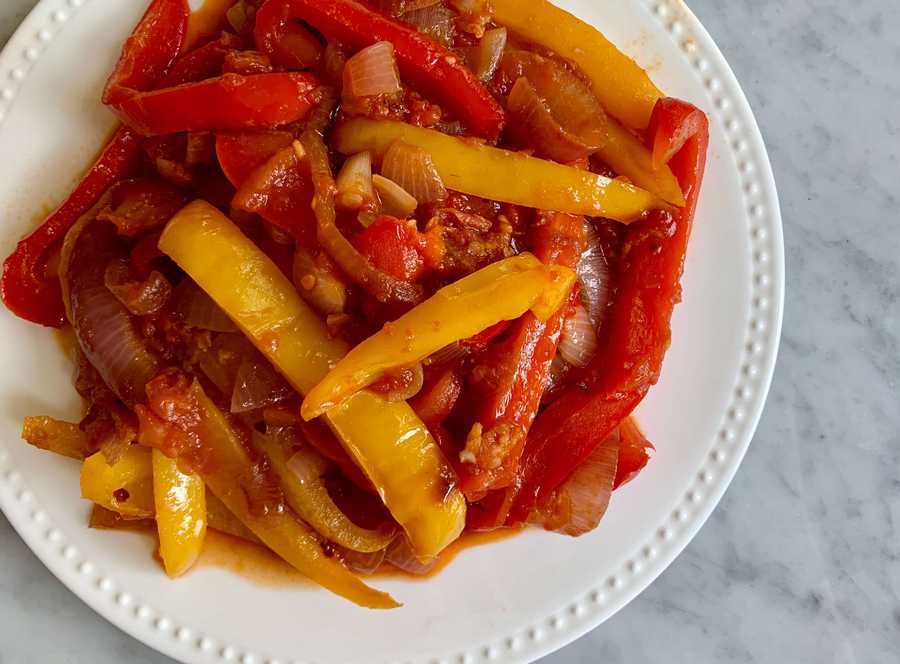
512	601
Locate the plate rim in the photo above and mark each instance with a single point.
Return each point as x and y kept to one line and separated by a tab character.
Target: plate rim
732	111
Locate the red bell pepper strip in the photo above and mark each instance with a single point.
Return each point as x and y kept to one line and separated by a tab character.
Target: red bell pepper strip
241	153
203	62
26	288
229	102
634	452
631	359
281	192
426	65
672	123
150	50
516	372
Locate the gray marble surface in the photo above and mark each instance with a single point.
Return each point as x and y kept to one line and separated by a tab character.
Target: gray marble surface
801	561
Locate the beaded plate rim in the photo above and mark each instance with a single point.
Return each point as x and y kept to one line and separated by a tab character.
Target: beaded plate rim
527	643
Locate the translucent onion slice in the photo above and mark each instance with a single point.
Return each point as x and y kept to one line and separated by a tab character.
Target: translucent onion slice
400	554
435	20
198	309
105	330
141	298
395	200
257	385
372	71
322	289
577	506
412	168
362	563
354	182
594	274
578	343
484	58
553	111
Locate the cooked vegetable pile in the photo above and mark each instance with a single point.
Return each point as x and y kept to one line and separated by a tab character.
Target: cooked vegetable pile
352	278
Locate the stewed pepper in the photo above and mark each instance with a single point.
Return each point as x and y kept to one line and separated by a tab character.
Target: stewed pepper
515	371
514	177
624	89
386	439
636	342
426	65
501	291
28	291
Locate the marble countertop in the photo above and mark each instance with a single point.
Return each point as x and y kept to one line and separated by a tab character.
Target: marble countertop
801	561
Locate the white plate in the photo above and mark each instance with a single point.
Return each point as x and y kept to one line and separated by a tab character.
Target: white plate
512	601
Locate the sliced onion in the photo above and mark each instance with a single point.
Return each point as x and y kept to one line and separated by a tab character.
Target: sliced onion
372	71
552	110
395	200
322	289
412	168
199	310
362	563
484	58
400	554
594	274
354	182
105	330
578	343
475	15
559	368
436	21
257	385
577	506
141	298
382	286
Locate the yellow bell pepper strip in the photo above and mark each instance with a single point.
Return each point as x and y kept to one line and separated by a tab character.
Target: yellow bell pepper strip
627	155
52	435
308	497
126	487
387	440
620	84
515	177
135	471
180	501
225	465
501	291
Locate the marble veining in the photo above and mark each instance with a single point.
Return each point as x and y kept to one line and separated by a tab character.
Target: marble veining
800	562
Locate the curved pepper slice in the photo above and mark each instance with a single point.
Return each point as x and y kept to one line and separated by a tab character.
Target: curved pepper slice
180	501
626	155
514	176
517	369
226	461
501	291
125	487
309	498
26	288
630	361
673	122
428	66
150	50
229	102
387	440
623	88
